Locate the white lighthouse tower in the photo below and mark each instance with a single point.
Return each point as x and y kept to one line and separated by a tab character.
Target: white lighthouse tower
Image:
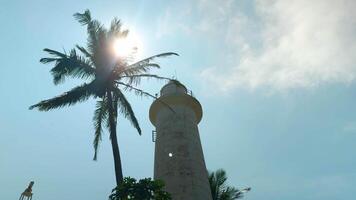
179	159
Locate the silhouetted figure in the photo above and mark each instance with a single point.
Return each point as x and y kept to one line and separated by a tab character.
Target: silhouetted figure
28	192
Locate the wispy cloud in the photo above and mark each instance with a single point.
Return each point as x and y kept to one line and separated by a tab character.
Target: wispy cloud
304	44
350	127
171	21
282	45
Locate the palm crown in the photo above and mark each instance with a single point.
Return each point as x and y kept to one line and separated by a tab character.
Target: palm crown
219	189
107	75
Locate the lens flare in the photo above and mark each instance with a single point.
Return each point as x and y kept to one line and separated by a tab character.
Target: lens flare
128	46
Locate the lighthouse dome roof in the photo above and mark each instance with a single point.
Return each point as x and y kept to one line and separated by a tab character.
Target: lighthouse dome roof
173	87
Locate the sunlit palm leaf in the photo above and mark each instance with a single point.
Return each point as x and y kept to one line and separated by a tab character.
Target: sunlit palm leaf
100	117
77	94
95	31
115	30
142	93
83	18
137	91
71	65
141	66
145	64
138	69
147	60
125	108
54	53
136	79
84	51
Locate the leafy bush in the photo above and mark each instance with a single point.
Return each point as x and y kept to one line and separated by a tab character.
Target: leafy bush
144	189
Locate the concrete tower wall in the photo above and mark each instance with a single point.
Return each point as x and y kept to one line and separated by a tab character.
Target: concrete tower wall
179	159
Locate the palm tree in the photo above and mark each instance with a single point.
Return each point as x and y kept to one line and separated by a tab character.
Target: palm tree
219	189
106	76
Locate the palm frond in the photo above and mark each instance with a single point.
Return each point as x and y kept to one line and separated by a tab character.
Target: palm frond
136	78
84	51
213	186
115	30
100	117
137	91
141	93
230	193
77	94
115	25
217	183
54	53
83	18
147	60
125	108
92	40
219	189
141	66
236	193
95	31
71	65
134	70
240	193
220	177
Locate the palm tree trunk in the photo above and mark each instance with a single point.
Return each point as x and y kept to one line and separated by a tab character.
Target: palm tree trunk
114	143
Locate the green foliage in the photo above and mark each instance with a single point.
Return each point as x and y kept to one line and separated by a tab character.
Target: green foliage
219	189
144	189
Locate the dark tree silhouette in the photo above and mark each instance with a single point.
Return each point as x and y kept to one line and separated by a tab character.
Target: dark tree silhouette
106	76
219	189
144	189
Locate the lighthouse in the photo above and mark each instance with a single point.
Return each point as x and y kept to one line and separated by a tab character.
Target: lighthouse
179	159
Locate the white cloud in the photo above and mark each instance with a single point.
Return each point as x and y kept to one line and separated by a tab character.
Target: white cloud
300	44
304	44
195	18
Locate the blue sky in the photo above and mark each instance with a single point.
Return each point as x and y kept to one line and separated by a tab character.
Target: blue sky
276	80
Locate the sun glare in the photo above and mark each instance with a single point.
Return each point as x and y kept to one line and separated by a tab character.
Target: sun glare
129	46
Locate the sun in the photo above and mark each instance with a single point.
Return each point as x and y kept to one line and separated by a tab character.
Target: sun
128	46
